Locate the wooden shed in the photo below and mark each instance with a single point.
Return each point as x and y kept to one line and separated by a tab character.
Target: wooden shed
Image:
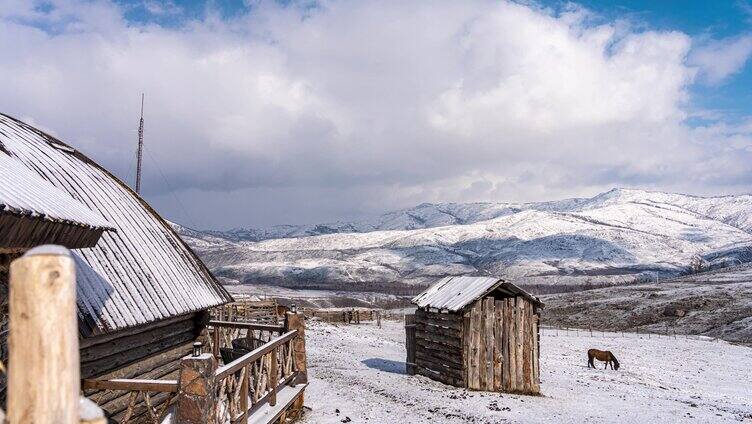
142	294
476	332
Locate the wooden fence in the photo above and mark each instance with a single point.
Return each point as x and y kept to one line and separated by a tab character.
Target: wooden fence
347	316
258	311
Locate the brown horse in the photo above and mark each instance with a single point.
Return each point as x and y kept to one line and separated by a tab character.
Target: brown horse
603	356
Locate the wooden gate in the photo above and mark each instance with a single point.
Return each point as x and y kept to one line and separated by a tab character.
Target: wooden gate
410	344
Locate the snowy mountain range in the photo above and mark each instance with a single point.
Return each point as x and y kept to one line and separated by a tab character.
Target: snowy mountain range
618	236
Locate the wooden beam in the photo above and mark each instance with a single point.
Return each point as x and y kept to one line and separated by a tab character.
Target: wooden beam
248	325
132	384
87	342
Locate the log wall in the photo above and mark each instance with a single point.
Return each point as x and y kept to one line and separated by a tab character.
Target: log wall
438	351
148	352
501	349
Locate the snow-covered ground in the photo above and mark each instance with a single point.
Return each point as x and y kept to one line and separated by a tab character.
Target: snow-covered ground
359	371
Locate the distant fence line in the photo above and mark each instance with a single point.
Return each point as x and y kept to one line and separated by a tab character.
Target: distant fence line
638	333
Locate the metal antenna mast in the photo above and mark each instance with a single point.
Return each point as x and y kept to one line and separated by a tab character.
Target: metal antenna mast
140	146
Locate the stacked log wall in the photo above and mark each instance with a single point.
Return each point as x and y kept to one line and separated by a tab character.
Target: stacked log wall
439	347
150	352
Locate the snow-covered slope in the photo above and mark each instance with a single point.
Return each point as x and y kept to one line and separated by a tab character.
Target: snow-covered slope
733	210
716	303
619	235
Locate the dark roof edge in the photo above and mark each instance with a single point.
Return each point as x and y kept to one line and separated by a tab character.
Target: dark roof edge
522	293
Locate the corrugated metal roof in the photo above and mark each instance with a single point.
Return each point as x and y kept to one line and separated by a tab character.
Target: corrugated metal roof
141	273
23	192
455	293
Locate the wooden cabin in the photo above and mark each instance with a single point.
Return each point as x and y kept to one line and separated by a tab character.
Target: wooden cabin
476	332
142	294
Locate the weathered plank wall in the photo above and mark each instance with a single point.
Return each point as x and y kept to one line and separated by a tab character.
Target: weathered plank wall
438	353
501	350
147	352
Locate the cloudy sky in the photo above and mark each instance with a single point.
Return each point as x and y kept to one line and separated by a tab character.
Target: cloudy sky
264	113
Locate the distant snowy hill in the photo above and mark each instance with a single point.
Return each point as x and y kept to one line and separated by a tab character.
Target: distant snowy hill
620	235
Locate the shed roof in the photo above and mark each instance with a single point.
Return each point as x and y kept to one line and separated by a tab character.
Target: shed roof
454	293
139	274
35	211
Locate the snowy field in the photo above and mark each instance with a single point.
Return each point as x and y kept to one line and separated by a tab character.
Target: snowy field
359	371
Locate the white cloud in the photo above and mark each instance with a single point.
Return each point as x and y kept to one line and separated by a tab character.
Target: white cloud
719	59
349	107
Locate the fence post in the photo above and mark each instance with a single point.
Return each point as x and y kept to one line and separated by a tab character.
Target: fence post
410	344
197	390
43	364
273	376
296	321
215	341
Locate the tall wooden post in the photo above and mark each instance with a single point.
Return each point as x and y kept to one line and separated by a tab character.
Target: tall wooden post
197	390
296	321
43	372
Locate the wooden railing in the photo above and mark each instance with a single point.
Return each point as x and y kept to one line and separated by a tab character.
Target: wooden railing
254	379
154	407
234	390
224	332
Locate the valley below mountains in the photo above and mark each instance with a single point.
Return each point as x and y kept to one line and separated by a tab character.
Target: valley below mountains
617	237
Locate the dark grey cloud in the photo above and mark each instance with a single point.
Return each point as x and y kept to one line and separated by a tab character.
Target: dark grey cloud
299	114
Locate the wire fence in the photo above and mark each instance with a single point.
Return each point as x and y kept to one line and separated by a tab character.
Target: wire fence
637	333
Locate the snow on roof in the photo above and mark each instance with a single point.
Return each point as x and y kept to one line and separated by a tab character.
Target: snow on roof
455	293
139	274
23	192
